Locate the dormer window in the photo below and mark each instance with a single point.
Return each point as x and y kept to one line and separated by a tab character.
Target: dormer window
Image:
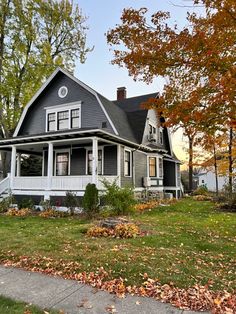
63	120
63	117
51	121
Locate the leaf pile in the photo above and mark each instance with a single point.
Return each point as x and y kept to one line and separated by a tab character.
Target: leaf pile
196	298
124	231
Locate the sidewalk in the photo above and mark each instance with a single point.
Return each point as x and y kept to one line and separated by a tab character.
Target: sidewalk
73	297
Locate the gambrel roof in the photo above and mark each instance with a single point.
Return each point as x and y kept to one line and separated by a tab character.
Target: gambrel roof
126	117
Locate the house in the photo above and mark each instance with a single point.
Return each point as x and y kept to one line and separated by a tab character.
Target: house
206	177
81	137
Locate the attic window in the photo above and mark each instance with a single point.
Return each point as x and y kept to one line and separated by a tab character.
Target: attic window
63	91
62	117
104	125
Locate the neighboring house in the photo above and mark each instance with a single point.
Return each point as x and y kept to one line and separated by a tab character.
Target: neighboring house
82	137
207	178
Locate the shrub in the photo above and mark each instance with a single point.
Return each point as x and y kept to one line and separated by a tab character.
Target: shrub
201	190
120	199
71	202
6	203
26	203
227	199
23	212
90	199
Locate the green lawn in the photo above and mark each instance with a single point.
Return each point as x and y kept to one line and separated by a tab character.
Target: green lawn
9	306
188	242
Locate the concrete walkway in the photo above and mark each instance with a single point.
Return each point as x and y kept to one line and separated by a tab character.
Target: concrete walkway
73	297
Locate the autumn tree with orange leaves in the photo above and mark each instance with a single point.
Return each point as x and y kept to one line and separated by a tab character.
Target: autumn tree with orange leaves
200	60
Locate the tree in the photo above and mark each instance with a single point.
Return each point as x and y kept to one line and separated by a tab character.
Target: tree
200	58
35	37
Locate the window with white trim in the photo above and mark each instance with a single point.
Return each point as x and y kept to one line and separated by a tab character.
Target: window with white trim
127	163
62	164
160	167
63	117
51	122
152	167
63	120
90	162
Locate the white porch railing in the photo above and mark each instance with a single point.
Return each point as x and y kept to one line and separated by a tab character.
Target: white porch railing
4	185
29	183
60	183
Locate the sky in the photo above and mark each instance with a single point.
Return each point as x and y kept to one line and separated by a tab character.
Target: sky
99	73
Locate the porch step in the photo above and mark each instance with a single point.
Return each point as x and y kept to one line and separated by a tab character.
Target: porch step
3	195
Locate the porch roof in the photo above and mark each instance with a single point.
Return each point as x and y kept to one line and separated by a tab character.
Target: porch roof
5	144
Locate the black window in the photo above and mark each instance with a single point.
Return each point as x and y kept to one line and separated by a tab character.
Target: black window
90	162
51	122
75	118
62	164
63	119
161	136
152	167
127	164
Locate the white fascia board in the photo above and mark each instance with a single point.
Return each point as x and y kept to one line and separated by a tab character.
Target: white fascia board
46	84
170	142
33	99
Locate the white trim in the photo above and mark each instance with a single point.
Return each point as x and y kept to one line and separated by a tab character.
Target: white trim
118	153
62	150
68	104
131	162
60	91
90	148
33	99
77	132
170	141
61	108
43	163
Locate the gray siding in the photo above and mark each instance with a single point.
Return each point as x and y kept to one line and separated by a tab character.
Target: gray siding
125	181
110	160
140	163
169	173
92	114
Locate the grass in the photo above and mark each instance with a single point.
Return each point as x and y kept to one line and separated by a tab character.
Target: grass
9	306
189	242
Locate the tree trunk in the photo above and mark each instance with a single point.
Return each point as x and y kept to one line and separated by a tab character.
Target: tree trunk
190	165
216	170
230	160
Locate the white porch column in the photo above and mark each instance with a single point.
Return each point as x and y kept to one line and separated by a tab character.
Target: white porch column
50	165
13	165
18	168
119	164
95	161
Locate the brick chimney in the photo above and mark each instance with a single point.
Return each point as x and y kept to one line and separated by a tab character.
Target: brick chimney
121	93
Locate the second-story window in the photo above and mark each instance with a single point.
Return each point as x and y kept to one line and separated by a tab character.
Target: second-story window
51	121
63	119
75	118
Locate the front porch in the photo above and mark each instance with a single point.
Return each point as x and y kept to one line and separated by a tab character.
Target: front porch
66	165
